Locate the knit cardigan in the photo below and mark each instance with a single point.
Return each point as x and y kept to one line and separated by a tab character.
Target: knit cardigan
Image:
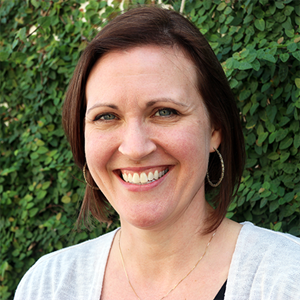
265	266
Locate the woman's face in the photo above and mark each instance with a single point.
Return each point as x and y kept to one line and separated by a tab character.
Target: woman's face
148	135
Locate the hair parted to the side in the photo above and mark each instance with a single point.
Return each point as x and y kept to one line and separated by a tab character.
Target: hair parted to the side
156	26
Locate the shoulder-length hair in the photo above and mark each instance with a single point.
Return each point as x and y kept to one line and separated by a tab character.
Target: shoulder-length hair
156	26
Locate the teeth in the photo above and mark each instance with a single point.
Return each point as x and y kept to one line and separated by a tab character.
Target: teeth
143	178
129	178
125	177
136	178
150	176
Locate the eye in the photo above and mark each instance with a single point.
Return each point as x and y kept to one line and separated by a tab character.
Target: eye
105	117
165	112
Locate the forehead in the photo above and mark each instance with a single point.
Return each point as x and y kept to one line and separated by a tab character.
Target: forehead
147	59
141	75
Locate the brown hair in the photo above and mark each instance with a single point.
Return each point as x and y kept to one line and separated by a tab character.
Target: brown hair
156	26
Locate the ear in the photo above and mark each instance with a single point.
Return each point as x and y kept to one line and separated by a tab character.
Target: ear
216	139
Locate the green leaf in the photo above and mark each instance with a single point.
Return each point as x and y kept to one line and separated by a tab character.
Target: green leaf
66	199
292	47
244	95
290	32
287	142
277	226
297	141
35	3
279	4
260	24
288	10
41	194
248	19
33	212
247	108
42	150
243	65
266	185
297	82
296	55
273	206
271	112
283	72
266	86
46	185
233	83
221	6
277	93
283	121
34	156
273	156
4	55
269	57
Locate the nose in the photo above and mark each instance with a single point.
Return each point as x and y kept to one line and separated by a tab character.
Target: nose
136	143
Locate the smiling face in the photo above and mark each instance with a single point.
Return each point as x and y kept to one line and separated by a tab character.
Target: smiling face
148	135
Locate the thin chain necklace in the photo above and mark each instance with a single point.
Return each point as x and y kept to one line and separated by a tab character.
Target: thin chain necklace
172	289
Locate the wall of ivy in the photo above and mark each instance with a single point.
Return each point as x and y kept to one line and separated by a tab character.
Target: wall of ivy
258	43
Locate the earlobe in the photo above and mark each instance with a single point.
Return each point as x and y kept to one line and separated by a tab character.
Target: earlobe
216	139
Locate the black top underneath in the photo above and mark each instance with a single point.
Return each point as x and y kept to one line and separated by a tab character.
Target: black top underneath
221	294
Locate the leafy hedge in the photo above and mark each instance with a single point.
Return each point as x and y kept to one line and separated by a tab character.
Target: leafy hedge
258	43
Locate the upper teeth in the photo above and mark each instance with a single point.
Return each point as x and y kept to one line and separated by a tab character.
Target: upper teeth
143	177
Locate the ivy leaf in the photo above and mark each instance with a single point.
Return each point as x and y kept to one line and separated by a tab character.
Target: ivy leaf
35	3
260	24
243	65
287	142
221	6
4	55
273	156
262	137
297	141
273	206
66	199
284	57
269	57
296	55
244	95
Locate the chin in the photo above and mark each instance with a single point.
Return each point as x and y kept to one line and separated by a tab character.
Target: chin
146	219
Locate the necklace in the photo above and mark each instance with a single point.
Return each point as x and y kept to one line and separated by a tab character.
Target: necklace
172	289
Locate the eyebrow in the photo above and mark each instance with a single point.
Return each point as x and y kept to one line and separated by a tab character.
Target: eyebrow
149	104
113	106
153	102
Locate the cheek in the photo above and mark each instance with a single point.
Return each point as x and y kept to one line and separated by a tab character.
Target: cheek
98	147
189	142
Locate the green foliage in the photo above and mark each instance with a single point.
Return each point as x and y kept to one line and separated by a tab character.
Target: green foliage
40	44
258	43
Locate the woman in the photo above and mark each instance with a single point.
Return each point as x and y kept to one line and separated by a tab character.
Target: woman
153	124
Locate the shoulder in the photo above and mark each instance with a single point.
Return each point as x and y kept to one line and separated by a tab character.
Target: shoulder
262	247
267	239
69	271
260	256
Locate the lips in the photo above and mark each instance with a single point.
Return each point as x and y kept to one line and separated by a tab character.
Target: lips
143	177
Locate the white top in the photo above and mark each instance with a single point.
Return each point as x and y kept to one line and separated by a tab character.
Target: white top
265	265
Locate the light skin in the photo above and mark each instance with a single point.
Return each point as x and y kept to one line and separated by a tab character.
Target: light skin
144	113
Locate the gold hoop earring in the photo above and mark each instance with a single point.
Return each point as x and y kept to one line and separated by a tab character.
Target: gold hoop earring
222	174
84	175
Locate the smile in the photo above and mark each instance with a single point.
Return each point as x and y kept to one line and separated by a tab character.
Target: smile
143	178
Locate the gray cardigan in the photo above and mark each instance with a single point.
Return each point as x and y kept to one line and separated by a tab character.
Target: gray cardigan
265	265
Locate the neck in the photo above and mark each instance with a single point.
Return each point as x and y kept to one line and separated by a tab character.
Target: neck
166	248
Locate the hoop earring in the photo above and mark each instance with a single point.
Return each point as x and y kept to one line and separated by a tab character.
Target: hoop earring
84	175
222	174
